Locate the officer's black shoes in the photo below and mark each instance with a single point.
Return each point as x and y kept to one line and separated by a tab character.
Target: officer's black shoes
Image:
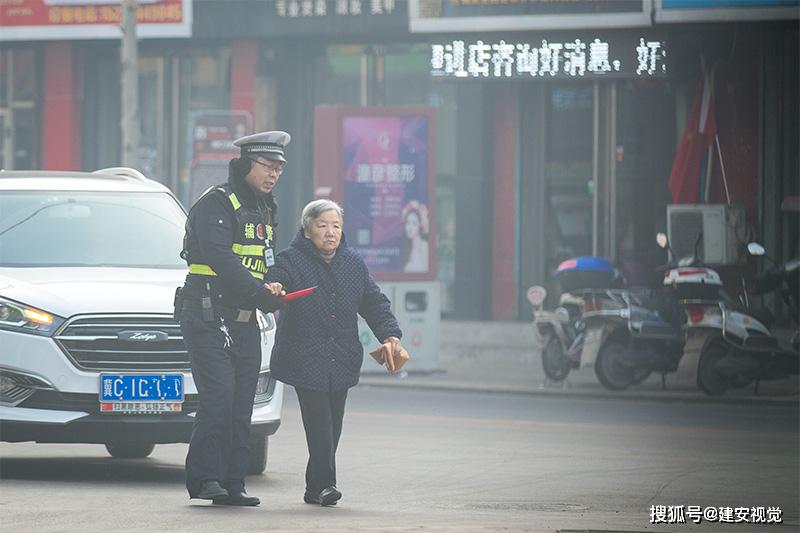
211	490
237	498
326	497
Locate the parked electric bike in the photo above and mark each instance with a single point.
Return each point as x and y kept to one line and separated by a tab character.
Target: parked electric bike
785	279
729	343
639	334
561	331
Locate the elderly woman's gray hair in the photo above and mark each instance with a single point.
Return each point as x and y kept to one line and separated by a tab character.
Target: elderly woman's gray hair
314	209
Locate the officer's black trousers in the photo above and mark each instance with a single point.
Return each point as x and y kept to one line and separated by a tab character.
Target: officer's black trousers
322	419
226	380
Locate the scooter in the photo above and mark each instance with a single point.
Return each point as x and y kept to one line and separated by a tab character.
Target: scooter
727	345
784	279
561	331
640	334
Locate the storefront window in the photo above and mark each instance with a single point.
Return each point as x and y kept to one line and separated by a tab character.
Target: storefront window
407	82
643	160
568	170
152	117
204	86
24	77
207	73
339	75
18	130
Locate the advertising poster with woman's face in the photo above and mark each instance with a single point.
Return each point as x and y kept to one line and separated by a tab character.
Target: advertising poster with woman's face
386	198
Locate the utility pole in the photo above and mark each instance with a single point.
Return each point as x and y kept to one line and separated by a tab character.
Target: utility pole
129	58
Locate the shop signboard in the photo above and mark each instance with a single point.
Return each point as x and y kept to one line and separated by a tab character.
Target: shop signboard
210	148
436	16
383	176
378	163
725	10
314	18
385	169
573	56
31	20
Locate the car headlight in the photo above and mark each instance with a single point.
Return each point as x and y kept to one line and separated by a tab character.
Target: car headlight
23	318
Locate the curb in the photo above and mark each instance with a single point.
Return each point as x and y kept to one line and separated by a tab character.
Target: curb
646	396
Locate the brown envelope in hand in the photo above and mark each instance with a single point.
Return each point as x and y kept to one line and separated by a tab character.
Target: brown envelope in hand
393	363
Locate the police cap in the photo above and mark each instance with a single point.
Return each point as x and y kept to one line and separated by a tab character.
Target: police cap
269	144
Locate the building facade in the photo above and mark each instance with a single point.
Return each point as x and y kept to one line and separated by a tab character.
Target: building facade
556	127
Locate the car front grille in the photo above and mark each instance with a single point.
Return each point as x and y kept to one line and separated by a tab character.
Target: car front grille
124	342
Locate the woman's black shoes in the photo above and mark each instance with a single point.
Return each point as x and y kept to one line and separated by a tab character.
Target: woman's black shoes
326	497
329	496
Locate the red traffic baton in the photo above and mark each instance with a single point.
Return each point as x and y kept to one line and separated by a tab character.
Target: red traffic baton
298	294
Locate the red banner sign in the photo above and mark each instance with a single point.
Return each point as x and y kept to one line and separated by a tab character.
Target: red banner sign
90	19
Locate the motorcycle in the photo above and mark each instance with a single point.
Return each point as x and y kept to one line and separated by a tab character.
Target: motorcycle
561	331
728	344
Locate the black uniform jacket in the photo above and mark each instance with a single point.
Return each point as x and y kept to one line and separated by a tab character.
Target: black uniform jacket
211	227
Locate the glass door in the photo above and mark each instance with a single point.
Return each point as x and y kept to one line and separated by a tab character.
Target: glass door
569	171
6	141
152	147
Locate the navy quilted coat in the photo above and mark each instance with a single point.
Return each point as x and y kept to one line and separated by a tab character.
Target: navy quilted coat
316	344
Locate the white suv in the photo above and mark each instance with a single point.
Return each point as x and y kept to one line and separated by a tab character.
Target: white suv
89	349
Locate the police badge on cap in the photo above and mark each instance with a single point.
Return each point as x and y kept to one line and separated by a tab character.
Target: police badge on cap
269	144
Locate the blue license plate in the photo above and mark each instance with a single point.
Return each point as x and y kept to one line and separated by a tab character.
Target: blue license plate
141	387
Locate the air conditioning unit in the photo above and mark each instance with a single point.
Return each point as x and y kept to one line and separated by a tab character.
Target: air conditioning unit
724	232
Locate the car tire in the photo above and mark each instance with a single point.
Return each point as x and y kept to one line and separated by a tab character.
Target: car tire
130	450
259	448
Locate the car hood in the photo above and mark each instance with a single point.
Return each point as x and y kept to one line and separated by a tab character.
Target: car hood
73	291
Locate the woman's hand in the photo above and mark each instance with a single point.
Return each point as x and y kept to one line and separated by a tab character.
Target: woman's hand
395	345
275	288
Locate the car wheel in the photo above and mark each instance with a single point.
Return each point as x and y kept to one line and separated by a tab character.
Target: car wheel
130	450
259	447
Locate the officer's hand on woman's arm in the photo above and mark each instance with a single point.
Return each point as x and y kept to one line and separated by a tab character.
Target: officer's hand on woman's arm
275	288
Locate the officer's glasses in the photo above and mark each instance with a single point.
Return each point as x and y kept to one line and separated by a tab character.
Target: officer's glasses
275	169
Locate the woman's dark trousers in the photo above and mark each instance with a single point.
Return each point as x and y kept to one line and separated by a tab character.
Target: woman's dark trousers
322	419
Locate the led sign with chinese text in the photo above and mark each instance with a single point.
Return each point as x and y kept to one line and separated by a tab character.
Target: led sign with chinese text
548	59
320	8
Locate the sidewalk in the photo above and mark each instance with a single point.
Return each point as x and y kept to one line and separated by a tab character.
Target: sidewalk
504	357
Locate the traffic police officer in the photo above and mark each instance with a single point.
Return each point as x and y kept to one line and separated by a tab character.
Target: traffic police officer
229	247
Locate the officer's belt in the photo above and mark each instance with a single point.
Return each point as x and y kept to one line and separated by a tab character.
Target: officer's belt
228	313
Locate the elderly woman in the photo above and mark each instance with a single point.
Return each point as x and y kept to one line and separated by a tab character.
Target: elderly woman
317	349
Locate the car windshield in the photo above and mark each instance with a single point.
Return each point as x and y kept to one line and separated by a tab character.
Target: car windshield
63	229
